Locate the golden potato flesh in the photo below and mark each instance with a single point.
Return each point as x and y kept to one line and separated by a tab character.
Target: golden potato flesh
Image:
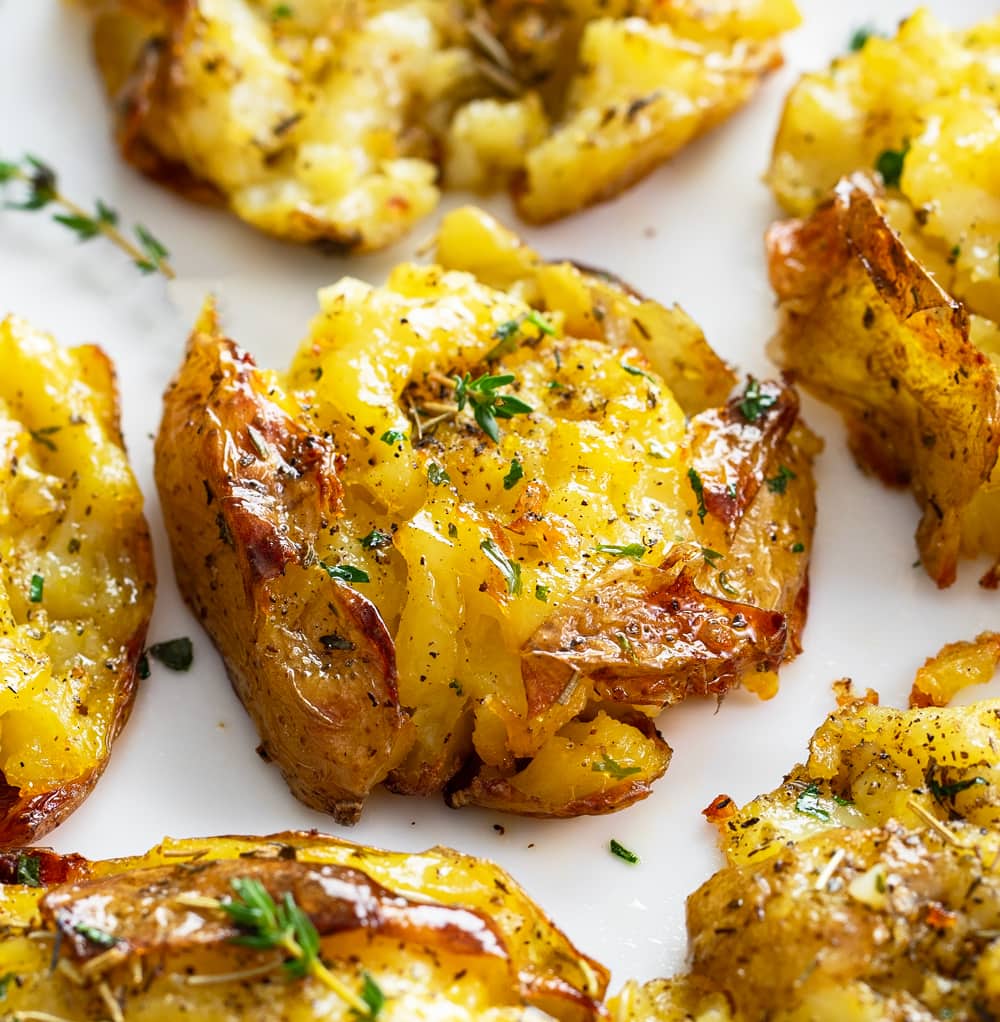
865	888
867	329
332	122
430	935
479	555
76	577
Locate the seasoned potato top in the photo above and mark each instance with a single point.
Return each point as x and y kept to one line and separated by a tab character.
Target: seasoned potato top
326	121
921	109
76	576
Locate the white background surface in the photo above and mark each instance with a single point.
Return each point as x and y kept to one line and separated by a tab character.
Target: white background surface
691	233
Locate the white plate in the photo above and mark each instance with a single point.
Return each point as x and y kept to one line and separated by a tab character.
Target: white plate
692	234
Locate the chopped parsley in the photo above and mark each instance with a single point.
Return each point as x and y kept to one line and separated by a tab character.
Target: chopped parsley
436	475
392	437
622	852
177	654
699	491
36	589
636	551
487	404
542	593
28	870
510	570
808	803
345	572
890	165
779	483
514	476
755	402
376	540
798	548
613	768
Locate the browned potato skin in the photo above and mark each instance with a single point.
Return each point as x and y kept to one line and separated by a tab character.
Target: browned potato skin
240	527
865	329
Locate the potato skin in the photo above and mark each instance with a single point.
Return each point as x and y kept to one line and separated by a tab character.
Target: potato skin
435	930
70	513
563	104
867	330
244	490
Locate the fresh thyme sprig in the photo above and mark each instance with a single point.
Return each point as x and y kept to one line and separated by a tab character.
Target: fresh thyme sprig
267	925
487	405
42	191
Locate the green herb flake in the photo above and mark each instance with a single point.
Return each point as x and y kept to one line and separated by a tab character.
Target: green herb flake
657	450
177	654
699	491
947	792
613	768
97	937
371	994
282	11
890	165
510	570
392	437
536	319
636	551
36	589
779	483
5	981
43	436
808	803
956	251
755	401
142	667
456	686
636	371
712	557
542	593
622	852
28	870
860	36
726	586
798	548
154	253
487	404
436	475
345	572
514	476
376	540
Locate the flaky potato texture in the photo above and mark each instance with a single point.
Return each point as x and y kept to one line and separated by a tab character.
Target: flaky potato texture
332	122
865	888
868	329
921	109
76	577
473	540
155	938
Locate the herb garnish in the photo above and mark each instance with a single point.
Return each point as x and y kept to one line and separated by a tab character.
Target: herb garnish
177	654
345	572
36	589
371	994
392	437
712	557
622	852
636	371
542	593
890	165
947	792
456	686
798	548
779	483
754	402
5	980
808	803
506	334
487	404
725	586
436	475
41	436
28	870
376	539
510	570
860	36
699	491
267	926
280	11
634	550
96	936
42	183
514	476
610	766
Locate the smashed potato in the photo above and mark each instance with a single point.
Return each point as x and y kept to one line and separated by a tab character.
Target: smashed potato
865	888
479	555
890	313
160	937
321	121
76	577
867	329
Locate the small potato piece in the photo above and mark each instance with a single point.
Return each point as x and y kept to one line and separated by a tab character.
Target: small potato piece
423	934
540	534
332	123
957	666
866	329
76	578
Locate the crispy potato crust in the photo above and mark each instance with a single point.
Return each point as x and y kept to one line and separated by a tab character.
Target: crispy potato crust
536	584
867	330
434	931
77	578
332	124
